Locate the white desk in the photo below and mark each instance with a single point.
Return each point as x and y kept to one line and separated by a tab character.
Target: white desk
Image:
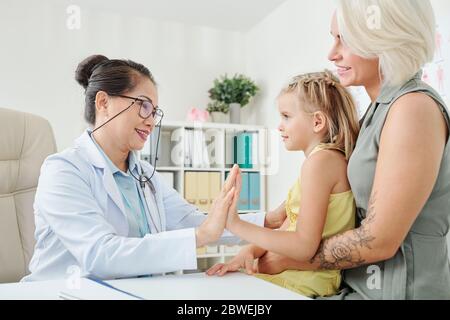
233	286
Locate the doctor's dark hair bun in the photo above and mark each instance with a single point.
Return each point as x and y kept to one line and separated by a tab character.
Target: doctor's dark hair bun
85	68
98	73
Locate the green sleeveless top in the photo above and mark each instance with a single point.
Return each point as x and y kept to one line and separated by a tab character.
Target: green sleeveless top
420	269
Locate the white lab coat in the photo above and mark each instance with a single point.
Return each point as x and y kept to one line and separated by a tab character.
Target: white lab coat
81	222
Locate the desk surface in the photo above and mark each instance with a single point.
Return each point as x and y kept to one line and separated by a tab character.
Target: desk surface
233	286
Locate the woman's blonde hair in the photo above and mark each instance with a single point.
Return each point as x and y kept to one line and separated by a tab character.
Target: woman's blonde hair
321	91
401	33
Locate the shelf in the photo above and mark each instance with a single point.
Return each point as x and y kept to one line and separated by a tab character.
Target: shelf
245	170
221	252
210	125
217	255
248	211
227	169
169	168
239	212
204	169
222	169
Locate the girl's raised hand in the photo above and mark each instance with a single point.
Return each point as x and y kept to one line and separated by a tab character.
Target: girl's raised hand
233	216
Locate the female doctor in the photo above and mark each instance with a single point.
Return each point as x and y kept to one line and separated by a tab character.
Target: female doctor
100	209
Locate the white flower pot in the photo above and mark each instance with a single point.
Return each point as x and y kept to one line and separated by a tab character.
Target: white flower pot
220	117
235	113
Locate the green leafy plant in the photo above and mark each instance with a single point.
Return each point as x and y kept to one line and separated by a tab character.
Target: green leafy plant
217	106
238	89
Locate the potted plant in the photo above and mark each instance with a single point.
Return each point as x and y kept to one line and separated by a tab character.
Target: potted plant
218	111
235	92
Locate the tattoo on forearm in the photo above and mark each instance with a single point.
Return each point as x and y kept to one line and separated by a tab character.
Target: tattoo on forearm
343	251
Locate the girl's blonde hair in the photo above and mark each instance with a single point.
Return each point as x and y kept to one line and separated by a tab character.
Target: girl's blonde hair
322	91
401	33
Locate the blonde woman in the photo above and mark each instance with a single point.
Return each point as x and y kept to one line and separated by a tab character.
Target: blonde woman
318	117
399	171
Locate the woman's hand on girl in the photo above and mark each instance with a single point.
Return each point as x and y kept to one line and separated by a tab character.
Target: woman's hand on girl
272	263
275	218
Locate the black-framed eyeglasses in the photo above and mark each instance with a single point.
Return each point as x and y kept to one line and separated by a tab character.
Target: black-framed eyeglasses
146	107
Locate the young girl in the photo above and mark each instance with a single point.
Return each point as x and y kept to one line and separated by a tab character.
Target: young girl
318	117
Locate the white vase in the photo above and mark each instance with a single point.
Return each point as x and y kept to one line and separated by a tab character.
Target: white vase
220	117
235	113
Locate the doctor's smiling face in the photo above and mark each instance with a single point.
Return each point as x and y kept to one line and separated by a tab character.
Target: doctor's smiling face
120	104
130	130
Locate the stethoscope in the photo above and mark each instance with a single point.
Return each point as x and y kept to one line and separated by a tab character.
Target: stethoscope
143	179
144	182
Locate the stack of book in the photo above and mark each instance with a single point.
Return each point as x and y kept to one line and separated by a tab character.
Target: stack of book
163	153
195	149
246	150
201	188
250	191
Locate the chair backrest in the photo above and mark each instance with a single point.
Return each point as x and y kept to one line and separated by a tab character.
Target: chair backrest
25	141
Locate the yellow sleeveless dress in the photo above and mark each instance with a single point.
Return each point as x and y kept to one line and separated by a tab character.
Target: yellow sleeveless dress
340	218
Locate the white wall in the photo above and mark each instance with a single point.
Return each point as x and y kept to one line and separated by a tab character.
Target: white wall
39	55
441	9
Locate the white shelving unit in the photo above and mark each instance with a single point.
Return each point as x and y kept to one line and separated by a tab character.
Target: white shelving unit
218	140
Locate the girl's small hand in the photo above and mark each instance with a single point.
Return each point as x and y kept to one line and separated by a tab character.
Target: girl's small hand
233	216
244	259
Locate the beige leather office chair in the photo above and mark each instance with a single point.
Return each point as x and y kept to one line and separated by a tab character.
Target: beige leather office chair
25	141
